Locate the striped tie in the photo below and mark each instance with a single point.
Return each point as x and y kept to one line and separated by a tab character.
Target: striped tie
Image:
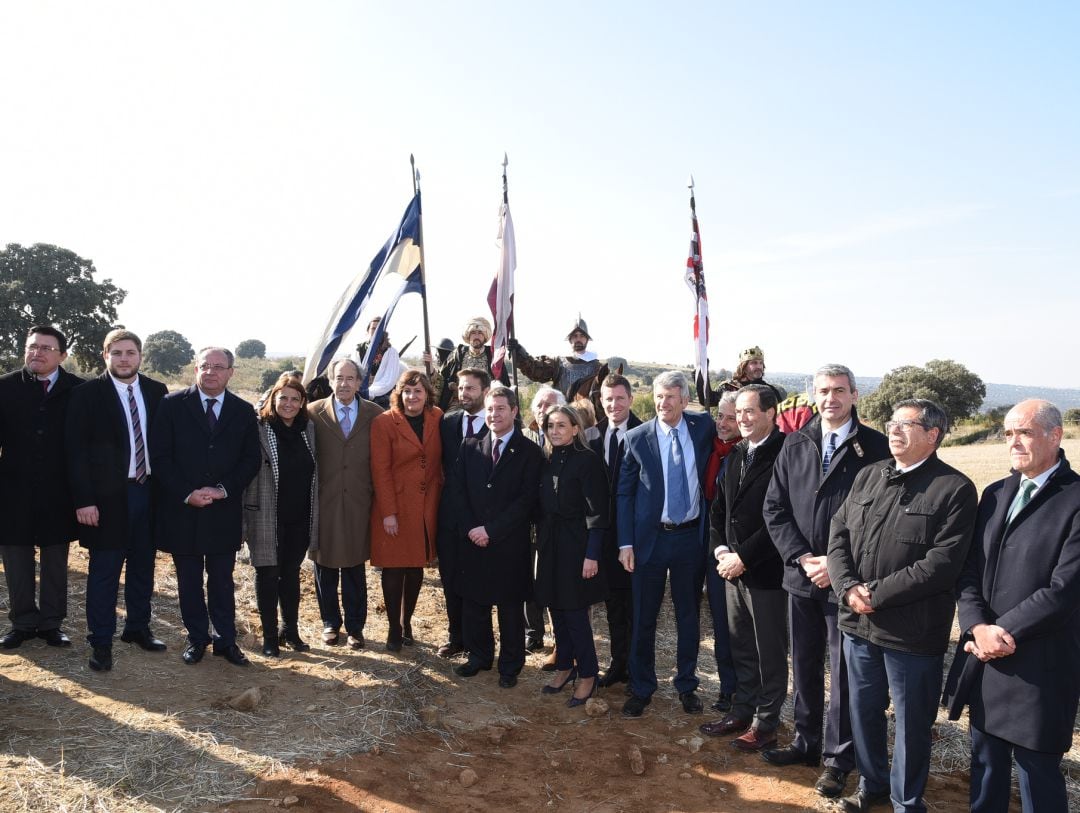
140	444
1023	497
830	450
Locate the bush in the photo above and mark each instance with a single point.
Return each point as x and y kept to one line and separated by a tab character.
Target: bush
643	406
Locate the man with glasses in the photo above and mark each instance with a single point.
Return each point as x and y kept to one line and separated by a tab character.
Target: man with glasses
34	494
204	450
896	548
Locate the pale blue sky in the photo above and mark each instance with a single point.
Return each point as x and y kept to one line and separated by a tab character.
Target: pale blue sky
878	183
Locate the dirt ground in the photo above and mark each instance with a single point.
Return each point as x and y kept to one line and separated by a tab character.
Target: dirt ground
339	730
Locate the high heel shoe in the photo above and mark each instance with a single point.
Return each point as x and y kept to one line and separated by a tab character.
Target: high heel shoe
575	701
570	678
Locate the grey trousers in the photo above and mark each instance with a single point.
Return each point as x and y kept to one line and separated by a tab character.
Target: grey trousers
757	622
27	612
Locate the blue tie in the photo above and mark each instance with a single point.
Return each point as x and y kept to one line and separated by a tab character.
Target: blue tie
678	493
830	449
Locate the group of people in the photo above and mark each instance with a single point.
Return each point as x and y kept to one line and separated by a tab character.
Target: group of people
832	541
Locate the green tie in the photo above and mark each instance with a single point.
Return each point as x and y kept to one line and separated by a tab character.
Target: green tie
1023	497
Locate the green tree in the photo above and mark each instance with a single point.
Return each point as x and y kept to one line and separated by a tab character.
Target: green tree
49	285
952	385
167	352
251	349
1071	415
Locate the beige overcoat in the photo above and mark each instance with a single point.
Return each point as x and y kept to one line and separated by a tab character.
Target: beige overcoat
345	488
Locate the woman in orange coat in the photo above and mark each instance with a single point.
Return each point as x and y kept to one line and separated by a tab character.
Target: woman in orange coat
406	469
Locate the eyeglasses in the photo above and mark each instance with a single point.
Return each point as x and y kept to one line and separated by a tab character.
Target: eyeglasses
43	348
217	368
903	426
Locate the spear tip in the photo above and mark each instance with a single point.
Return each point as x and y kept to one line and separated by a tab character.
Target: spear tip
690	183
505	160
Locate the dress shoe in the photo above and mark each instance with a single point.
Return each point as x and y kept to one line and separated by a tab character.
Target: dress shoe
193	654
331	636
450	649
790	755
393	644
723	703
54	637
724	726
355	641
534	644
612	676
831	783
507	681
233	654
101	658
635	706
470	668
291	636
755	740
691	703
271	650
145	639
13	639
549	662
551	688
576	701
863	800
407	636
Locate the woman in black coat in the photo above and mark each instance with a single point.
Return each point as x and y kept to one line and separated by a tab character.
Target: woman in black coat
573	516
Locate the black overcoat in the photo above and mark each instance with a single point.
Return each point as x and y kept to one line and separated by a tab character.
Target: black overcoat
615	574
449	534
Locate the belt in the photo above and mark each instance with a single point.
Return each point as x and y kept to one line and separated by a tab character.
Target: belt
682	526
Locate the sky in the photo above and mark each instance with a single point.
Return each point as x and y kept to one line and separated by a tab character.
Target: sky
878	184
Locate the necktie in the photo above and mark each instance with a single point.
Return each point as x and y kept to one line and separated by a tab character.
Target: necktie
469	431
748	461
346	420
1023	497
612	447
678	492
140	444
44	385
211	418
495	454
830	449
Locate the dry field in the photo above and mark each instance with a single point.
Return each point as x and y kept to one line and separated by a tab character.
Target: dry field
336	730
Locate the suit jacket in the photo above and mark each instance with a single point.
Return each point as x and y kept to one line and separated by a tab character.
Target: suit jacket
501	498
641	483
617	577
186	455
1025	578
345	488
408	481
99	454
35	494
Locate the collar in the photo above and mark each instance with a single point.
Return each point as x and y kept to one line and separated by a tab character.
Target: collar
51	378
503	438
585	355
841	433
218	399
1040	480
913	466
667	429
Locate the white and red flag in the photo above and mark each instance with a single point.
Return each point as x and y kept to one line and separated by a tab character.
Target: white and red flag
695	278
501	293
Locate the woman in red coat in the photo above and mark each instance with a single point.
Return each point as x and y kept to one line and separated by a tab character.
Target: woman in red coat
406	469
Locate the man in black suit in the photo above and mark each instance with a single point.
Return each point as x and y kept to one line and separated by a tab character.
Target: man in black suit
35	499
616	396
205	451
496	481
471	387
1019	597
108	422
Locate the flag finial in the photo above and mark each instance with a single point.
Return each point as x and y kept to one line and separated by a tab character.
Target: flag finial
690	183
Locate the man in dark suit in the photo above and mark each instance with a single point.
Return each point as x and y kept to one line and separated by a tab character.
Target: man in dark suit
35	499
811	479
663	520
205	451
616	397
108	424
471	387
1019	596
496	481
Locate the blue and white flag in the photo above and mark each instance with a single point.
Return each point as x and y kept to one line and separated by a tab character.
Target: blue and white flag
381	381
400	256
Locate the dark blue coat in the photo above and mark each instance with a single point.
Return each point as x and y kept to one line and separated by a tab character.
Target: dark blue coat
617	577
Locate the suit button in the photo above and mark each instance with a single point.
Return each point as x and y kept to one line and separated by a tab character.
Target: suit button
489	485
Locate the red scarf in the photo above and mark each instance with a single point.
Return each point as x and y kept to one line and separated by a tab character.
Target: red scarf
720	450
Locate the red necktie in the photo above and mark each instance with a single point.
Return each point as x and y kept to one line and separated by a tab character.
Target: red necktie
495	453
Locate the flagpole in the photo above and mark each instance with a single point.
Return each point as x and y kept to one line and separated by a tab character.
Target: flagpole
698	285
707	386
509	356
423	272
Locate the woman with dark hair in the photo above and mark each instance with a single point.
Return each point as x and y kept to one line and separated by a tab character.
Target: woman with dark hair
281	513
573	516
406	470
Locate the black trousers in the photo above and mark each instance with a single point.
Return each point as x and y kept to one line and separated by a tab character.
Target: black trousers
26	613
353	596
620	620
217	605
574	645
401	589
480	637
280	583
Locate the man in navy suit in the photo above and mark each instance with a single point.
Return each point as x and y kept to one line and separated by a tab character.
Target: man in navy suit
1019	597
108	423
204	452
663	523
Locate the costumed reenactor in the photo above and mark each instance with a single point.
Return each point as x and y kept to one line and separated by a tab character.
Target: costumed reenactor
571	374
474	354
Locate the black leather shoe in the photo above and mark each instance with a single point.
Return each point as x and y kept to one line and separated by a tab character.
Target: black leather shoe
691	703
355	641
863	800
407	636
470	668
727	725
101	658
635	706
331	636
612	676
450	649
193	654
291	636
790	755
271	648
831	783
723	703
234	655
507	681
145	639
393	645
56	637
13	639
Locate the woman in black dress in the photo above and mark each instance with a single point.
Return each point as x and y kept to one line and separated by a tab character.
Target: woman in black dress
573	516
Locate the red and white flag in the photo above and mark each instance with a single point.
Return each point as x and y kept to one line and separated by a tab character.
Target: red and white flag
501	294
695	278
